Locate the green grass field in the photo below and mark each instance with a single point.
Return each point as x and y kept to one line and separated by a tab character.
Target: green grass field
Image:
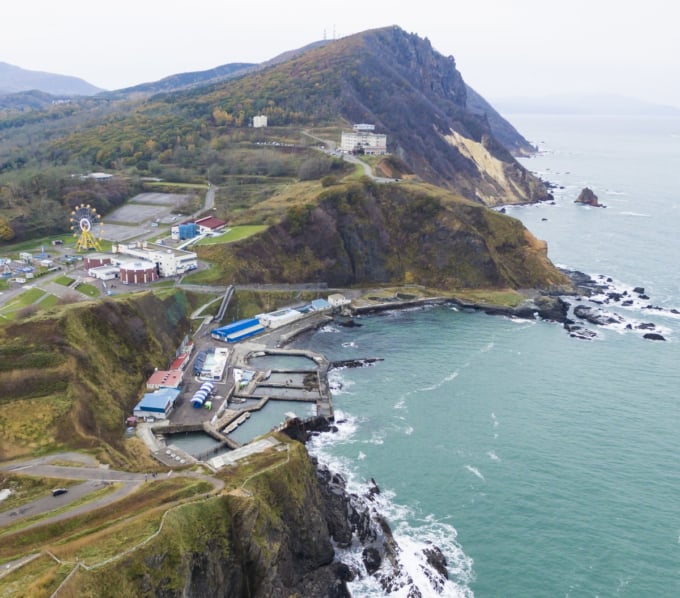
88	289
63	280
236	233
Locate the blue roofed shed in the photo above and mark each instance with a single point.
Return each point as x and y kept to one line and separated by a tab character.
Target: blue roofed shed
156	405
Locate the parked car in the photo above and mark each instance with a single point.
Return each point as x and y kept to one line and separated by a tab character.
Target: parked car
58	491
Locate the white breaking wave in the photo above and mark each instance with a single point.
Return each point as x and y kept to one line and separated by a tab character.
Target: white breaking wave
493	456
337	383
436	385
494	420
329	328
476	471
411	534
635	214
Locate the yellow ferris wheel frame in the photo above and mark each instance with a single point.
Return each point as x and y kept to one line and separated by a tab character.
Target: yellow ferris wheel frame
87	227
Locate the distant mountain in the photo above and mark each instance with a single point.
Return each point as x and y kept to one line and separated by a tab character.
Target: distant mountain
212	76
187	80
14	79
439	129
595	104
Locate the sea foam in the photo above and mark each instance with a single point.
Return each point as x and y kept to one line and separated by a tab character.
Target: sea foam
416	575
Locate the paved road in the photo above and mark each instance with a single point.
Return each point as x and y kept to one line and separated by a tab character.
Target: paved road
95	477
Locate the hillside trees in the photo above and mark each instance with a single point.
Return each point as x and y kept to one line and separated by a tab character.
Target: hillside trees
39	203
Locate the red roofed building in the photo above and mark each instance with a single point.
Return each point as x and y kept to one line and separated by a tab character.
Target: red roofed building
210	224
164	379
181	362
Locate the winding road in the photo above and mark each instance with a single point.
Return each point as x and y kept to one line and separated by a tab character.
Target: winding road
94	476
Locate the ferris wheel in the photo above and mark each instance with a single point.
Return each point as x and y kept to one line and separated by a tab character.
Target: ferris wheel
87	226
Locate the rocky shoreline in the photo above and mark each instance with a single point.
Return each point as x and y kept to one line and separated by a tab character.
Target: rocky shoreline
589	303
353	521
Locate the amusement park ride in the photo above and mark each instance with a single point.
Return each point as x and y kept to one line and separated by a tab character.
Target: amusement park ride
87	227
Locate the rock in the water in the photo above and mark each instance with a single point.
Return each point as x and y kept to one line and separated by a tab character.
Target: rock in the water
654	336
596	316
588	198
372	559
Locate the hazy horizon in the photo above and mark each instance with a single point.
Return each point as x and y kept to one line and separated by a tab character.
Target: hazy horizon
519	49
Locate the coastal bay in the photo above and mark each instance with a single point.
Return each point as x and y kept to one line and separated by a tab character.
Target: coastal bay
540	463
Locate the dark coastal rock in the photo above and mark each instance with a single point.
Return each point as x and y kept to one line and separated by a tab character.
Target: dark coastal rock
654	336
301	431
584	284
371	559
579	332
554	309
639	290
646	326
596	316
349	323
588	197
355	363
439	567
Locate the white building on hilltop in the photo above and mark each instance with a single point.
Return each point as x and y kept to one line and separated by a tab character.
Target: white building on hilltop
363	139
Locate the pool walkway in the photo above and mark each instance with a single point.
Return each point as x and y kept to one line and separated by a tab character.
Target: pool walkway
308	385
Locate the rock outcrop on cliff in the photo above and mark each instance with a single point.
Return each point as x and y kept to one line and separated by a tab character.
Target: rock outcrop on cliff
365	233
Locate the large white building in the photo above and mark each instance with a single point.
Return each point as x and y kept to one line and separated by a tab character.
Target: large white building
362	138
168	261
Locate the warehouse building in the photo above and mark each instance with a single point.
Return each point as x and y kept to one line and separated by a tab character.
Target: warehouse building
156	405
164	379
167	261
95	260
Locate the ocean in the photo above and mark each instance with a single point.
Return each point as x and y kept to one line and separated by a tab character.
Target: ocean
541	464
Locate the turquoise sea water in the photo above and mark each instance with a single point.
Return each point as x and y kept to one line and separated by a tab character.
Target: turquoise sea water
541	464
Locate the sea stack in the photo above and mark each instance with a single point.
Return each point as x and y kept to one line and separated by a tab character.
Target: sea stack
588	197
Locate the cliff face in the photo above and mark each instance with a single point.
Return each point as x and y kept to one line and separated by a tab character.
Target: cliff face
270	537
447	134
364	233
71	378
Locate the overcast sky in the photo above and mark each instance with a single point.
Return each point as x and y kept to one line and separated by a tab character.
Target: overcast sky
503	48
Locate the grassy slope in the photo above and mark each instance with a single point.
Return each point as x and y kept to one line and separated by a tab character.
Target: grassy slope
69	380
362	234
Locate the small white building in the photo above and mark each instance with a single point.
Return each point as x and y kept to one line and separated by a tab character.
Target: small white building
259	121
338	300
210	224
106	272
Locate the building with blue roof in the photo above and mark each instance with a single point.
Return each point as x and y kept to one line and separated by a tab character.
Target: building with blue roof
157	404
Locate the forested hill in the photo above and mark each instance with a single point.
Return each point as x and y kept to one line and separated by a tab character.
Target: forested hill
438	129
